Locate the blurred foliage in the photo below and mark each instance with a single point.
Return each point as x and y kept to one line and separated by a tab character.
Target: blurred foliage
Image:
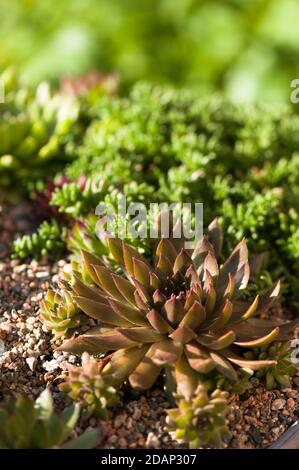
35	127
40	128
25	424
250	49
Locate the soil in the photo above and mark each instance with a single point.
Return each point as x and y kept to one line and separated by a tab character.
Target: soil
29	363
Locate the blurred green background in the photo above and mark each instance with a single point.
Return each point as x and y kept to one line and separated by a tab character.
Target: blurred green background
248	48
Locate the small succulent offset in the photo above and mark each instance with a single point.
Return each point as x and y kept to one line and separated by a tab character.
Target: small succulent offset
83	237
48	239
59	313
200	419
86	385
217	381
28	425
280	373
77	198
183	306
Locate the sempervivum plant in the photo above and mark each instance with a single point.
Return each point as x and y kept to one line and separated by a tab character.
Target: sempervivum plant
86	384
200	419
59	313
280	373
183	306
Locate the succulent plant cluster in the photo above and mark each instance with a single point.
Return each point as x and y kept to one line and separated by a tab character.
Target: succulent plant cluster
190	316
185	316
278	374
86	385
179	148
70	206
49	238
25	424
200	419
185	305
59	313
79	197
34	130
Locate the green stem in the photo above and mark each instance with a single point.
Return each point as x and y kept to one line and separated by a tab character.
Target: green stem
170	385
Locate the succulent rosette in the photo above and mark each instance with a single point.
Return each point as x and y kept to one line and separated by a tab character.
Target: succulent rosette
25	424
200	419
185	308
86	385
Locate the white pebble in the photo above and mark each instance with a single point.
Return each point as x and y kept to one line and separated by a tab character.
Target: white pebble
42	275
31	361
152	442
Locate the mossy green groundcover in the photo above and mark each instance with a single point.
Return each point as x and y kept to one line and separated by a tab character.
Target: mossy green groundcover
155	144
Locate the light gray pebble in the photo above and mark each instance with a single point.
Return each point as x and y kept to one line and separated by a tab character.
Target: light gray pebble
31	362
42	274
50	366
152	442
20	269
2	347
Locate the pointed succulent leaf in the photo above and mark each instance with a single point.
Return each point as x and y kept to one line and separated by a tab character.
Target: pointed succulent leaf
237	265
166	248
221	317
115	246
157	322
182	335
125	288
141	272
106	282
174	310
250	364
198	358
263	341
164	266
186	378
79	288
98	343
217	343
267	299
165	352
129	313
145	374
130	254
141	335
103	312
211	265
182	262
215	236
224	366
195	316
123	362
